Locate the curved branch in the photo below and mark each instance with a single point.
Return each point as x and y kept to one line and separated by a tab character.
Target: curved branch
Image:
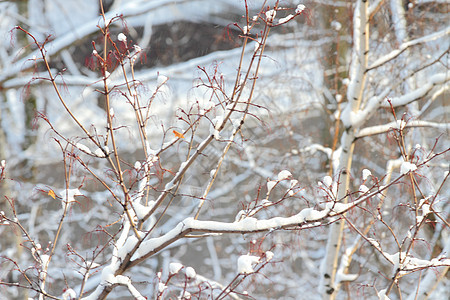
403	47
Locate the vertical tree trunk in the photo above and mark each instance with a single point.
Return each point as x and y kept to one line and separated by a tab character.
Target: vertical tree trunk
329	287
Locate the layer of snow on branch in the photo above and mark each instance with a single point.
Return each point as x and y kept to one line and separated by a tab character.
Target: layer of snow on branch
248	224
409	263
83	148
270	15
174	268
161	287
300	8
269	255
327	180
127	247
329	185
341	276
122	37
382	295
68	196
365	174
142	210
407	167
270	185
285	19
337	207
283	175
99	152
69	294
363	189
162	79
190	272
245	263
414	95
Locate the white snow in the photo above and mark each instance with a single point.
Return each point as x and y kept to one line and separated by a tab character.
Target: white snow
419	219
245	263
142	210
68	196
44	259
107	77
344	264
248	224
190	272
270	185
330	185
266	203
218	122
382	295
336	25
270	15
124	280
269	255
108	274
122	37
257	44
216	134
328	181
285	19
151	160
401	124
419	92
312	214
161	287
88	265
127	247
137	48
337	207
83	148
394	53
374	243
162	79
283	175
365	174
425	209
293	183
69	294
170	185
99	152
407	167
300	8
409	263
340	277
363	189
175	267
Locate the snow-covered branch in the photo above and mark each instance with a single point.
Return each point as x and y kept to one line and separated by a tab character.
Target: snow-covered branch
373	130
423	90
403	47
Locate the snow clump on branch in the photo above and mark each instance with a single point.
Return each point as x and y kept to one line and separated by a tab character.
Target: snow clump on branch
246	262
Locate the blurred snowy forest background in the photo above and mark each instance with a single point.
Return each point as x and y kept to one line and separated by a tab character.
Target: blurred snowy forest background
325	101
